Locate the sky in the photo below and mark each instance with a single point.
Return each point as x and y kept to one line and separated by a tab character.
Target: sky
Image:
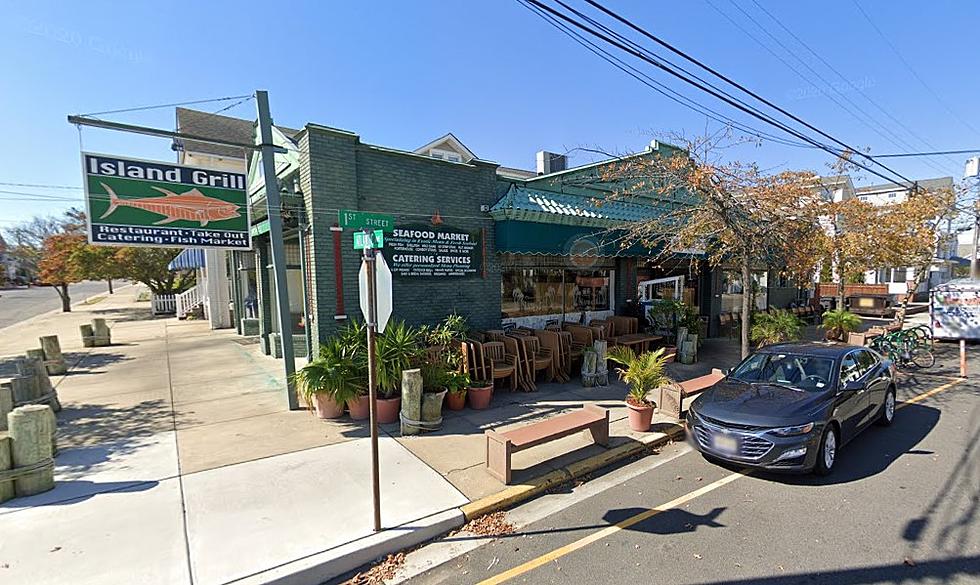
502	80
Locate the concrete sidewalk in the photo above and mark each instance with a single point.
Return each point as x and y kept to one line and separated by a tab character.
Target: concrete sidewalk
180	462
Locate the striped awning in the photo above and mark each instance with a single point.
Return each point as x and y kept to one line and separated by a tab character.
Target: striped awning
189	259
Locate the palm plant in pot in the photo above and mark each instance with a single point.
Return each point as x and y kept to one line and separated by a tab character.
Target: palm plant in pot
330	380
643	374
838	323
397	349
775	327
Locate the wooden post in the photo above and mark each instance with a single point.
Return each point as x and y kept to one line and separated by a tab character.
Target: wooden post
54	360
411	400
6	487
102	333
6	405
30	444
20	387
35	357
962	358
88	335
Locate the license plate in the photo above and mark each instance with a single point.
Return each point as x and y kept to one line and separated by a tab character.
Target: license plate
724	443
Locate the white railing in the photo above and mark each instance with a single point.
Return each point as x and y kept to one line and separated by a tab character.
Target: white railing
163	304
187	301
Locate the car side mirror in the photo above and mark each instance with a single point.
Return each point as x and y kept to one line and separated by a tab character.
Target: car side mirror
854	386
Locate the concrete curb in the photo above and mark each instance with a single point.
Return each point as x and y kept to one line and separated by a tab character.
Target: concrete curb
323	566
517	494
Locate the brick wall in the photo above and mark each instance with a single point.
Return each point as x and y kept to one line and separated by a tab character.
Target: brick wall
339	172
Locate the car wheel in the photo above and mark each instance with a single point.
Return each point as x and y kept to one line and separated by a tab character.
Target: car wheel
887	409
828	452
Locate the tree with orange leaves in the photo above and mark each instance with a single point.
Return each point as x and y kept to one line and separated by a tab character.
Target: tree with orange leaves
56	266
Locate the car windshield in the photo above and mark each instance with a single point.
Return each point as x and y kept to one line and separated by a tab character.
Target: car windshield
801	372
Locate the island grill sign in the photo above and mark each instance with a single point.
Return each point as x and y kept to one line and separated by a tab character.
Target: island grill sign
433	251
133	202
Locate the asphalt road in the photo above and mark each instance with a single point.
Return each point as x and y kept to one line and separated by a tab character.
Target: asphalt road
18	304
902	506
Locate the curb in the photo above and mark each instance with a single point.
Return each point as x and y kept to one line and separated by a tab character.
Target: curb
517	494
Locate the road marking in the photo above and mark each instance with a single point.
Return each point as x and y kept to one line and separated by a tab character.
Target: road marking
596	536
924	395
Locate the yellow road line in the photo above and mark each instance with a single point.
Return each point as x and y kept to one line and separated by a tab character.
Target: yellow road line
596	536
924	395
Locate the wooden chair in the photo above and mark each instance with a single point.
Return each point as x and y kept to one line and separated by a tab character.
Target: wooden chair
581	335
475	363
523	363
550	341
541	359
572	350
501	365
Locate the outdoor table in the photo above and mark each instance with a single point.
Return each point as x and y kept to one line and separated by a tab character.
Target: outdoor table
642	341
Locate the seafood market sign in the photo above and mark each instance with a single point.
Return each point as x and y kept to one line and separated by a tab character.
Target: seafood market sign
135	202
424	250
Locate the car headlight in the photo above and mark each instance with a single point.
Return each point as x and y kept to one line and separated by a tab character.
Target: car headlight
793	431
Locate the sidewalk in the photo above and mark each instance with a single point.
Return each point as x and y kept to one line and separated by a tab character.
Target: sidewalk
179	459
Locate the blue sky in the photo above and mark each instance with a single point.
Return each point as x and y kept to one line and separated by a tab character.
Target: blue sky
506	83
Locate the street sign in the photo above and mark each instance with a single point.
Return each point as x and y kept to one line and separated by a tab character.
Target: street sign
359	220
383	288
134	202
369	240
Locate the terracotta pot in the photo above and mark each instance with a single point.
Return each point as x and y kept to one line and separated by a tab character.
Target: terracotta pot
640	417
670	352
456	400
388	409
360	407
326	407
480	397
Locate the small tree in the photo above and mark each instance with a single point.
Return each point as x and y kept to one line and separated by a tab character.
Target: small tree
98	263
149	266
56	267
26	239
733	211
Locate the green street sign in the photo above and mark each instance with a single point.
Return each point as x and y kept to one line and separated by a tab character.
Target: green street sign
367	240
365	220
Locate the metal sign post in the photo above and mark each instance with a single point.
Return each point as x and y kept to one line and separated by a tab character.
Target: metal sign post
372	327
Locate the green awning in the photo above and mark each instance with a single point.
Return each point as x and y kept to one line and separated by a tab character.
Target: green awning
527	237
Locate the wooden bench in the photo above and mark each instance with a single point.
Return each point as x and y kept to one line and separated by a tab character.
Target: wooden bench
500	446
674	404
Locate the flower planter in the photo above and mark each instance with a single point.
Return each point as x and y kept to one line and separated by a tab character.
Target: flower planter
456	400
388	409
640	417
326	407
360	407
432	407
480	396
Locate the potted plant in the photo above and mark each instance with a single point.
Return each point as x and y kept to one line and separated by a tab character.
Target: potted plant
643	374
396	350
434	376
330	380
838	323
775	327
456	383
480	393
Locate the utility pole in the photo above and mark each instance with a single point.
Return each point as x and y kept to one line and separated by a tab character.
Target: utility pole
274	208
974	265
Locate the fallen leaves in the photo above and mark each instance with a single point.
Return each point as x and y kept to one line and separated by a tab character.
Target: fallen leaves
493	524
379	573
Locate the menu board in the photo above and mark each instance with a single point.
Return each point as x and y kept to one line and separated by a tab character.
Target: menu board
425	250
955	310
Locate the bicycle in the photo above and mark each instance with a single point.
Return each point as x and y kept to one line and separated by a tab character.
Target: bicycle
905	349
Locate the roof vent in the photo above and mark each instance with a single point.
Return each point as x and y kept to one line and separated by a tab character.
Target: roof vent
549	162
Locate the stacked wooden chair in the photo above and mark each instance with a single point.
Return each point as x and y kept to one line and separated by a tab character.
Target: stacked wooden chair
490	361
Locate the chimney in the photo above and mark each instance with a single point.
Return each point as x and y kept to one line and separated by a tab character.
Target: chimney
549	162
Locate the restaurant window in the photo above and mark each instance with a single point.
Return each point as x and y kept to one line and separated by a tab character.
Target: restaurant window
732	289
532	286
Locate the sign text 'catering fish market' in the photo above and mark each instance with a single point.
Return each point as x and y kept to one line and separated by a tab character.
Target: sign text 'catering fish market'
147	203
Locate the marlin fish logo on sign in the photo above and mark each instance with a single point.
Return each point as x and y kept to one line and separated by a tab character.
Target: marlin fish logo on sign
135	202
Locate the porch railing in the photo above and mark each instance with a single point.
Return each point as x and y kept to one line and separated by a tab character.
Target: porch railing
188	300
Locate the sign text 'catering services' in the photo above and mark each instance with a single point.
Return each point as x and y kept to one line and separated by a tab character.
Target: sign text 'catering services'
147	203
425	250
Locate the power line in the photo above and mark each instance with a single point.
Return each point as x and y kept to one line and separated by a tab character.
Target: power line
162	106
727	98
40	186
937	152
745	90
855	88
911	70
658	86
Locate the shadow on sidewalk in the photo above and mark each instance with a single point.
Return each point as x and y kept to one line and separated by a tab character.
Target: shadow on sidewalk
86	363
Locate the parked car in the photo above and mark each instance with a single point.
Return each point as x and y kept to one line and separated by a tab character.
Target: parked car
792	406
